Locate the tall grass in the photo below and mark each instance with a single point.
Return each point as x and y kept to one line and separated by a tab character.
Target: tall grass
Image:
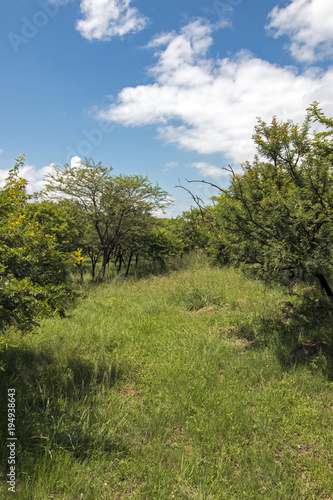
197	384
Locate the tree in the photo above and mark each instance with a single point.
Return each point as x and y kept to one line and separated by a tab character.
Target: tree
193	229
115	205
64	220
33	272
277	213
91	246
162	243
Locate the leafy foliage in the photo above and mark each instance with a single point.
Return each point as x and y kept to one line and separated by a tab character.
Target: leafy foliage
277	214
193	229
34	272
161	243
118	207
64	220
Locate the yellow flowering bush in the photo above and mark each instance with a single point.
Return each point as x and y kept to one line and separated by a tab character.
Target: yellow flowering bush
34	273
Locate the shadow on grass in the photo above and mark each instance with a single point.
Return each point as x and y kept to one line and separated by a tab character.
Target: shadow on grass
56	405
301	333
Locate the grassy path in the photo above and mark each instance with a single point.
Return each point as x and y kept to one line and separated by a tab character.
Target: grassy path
179	386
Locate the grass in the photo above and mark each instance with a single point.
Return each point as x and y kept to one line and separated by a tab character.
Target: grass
197	384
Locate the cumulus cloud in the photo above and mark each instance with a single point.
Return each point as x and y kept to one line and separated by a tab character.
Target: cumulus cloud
106	19
210	105
35	177
170	165
208	170
309	24
75	162
3	176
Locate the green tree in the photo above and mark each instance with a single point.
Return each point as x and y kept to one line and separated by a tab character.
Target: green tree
195	228
115	205
33	272
277	214
65	220
162	243
91	245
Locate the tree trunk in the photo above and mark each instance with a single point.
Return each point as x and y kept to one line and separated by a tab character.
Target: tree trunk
160	263
81	272
129	263
101	273
120	262
324	285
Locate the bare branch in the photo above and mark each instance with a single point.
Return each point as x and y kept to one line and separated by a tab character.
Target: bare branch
210	184
197	200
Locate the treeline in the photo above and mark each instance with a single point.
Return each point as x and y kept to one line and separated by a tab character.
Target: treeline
85	216
275	218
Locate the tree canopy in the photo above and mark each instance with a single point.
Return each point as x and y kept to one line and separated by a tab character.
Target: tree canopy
118	207
33	269
276	215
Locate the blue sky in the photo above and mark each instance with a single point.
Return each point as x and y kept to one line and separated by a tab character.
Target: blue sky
165	89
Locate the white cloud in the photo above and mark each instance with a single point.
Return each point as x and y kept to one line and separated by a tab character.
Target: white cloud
168	203
210	105
105	19
209	170
3	176
34	177
1	151
161	39
309	24
170	165
75	162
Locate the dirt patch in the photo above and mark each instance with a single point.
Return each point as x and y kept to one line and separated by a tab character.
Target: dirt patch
231	334
129	392
310	348
210	309
241	341
230	330
206	309
239	302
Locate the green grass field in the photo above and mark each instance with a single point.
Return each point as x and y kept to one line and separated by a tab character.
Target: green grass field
197	384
